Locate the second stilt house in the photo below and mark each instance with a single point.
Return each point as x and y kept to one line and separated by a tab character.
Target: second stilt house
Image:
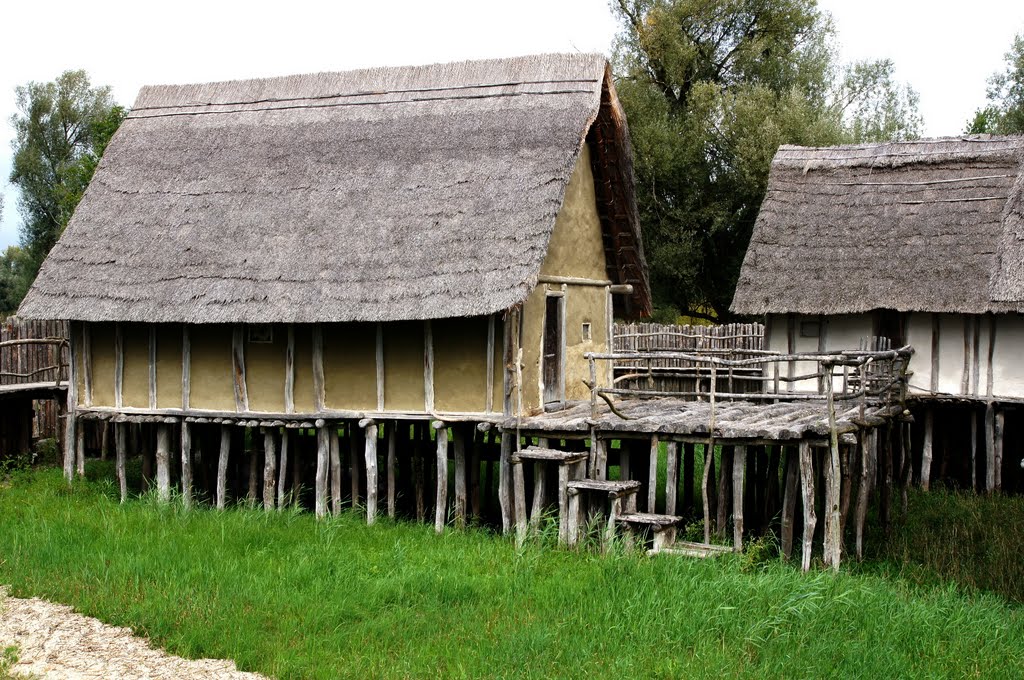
439	242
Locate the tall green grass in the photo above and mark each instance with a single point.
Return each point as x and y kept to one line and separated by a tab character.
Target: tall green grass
291	597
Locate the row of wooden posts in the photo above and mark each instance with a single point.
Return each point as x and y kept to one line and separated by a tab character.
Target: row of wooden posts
757	488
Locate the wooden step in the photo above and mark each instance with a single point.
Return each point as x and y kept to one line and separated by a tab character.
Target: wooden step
689	549
649	519
549	455
612	488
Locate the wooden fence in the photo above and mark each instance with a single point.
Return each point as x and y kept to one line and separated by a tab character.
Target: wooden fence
735	341
22	363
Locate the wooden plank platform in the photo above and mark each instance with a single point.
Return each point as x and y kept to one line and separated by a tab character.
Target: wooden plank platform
740	420
610	487
550	455
35	390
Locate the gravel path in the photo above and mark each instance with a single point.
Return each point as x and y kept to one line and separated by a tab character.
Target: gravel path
55	642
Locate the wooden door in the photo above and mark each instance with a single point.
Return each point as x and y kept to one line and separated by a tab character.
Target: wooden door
553	350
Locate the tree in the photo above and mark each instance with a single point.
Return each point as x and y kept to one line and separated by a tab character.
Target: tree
1004	113
14	281
711	89
61	129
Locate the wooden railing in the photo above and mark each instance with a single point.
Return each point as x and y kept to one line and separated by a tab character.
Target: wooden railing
34	360
871	376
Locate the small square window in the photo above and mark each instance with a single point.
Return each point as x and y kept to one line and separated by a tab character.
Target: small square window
262	333
587	335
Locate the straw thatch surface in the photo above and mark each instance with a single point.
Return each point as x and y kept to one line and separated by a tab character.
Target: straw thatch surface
384	194
933	225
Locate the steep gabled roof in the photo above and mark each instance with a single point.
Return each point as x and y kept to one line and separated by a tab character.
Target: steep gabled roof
931	225
373	195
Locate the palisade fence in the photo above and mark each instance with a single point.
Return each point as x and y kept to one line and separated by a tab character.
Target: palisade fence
735	341
35	363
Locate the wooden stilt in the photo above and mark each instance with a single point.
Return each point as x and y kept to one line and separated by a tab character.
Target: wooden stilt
459	444
418	473
810	520
572	523
370	433
687	477
846	461
864	489
671	476
335	448
269	467
254	478
974	450
441	505
324	435
186	464
222	466
163	462
105	440
709	461
885	494
990	447
739	464
283	470
652	486
599	455
121	453
356	453
908	467
475	444
505	481
926	449
539	482
519	487
725	470
625	471
833	535
789	502
392	428
997	465
80	447
298	461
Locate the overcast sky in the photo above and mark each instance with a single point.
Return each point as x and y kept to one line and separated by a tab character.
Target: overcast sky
945	50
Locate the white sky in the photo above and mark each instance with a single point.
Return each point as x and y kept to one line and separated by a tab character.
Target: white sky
945	50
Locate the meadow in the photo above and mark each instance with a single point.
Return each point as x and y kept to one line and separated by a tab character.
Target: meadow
291	597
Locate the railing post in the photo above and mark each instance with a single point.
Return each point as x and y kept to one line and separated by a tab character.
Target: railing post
593	387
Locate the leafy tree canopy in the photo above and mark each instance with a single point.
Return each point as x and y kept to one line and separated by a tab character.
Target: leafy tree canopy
61	129
711	89
1004	113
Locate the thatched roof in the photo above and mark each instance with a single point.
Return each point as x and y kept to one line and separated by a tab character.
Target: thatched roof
932	225
373	195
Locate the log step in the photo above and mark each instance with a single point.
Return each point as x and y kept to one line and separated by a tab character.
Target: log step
549	455
688	549
612	488
650	519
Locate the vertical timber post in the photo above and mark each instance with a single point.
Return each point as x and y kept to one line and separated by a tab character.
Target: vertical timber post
441	505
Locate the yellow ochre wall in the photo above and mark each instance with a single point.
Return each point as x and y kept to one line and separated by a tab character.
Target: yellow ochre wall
350	366
575	250
135	377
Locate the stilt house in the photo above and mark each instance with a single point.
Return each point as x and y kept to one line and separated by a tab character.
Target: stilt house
363	243
401	244
918	242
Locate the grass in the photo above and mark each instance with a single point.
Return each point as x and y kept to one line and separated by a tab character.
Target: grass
290	597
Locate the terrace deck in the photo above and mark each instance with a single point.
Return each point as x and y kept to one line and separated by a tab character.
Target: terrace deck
733	420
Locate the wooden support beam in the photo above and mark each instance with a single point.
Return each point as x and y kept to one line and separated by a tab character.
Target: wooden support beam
926	448
323	449
118	366
104	439
379	363
688	459
739	464
356	455
810	519
709	459
441	505
789	501
974	450
252	494
599	456
87	364
428	365
908	467
186	368
476	443
80	448
152	366
520	500
222	466
990	447
163	462
371	472
186	464
726	460
71	423
335	447
283	471
458	433
269	467
998	453
319	389
289	378
505	480
489	399
935	354
120	448
652	485
238	368
833	540
625	463
392	428
671	476
867	478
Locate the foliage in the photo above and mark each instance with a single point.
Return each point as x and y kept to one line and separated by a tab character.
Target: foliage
61	129
14	279
290	597
956	536
711	89
1004	113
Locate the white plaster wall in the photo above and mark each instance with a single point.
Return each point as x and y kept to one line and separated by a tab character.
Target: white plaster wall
919	336
951	353
1008	357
